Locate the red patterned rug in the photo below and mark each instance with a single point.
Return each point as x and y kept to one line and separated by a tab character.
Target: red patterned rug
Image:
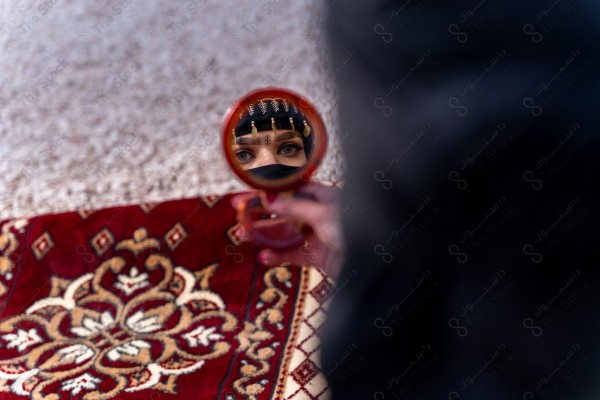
154	301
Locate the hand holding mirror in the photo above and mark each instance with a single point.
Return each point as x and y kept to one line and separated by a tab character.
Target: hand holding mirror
273	140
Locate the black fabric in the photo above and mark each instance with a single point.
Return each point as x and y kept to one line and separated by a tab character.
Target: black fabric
471	139
262	120
274	171
282	121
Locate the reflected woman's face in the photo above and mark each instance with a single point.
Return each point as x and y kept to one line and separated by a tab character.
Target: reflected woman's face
267	147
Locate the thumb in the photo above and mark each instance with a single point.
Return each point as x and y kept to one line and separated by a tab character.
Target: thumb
309	211
319	216
272	258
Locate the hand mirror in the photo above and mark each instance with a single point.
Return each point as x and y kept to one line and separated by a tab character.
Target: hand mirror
274	140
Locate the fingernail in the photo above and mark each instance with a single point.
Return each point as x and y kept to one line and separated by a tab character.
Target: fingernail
274	202
270	197
265	257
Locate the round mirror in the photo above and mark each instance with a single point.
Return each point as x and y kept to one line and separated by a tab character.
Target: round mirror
273	139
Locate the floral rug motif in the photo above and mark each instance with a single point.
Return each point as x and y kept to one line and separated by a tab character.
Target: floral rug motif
158	300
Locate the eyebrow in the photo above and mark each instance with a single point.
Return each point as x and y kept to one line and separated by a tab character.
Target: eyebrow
248	141
288	135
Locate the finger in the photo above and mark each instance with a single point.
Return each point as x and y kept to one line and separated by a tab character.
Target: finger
321	217
272	258
237	200
269	258
322	193
328	262
309	211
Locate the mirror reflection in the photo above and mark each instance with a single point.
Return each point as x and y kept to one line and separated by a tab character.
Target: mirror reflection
273	138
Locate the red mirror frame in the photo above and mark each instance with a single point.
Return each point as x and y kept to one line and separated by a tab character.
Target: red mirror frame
319	142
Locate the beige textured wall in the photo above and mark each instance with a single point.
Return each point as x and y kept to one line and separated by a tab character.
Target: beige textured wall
116	102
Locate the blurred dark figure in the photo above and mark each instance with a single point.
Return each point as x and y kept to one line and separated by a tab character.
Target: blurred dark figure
470	210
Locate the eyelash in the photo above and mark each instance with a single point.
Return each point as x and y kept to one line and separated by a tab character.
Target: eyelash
237	154
296	147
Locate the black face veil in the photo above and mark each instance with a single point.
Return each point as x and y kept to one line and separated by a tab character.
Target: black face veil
274	171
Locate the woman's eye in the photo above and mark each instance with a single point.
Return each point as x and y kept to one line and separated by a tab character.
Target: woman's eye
289	149
244	156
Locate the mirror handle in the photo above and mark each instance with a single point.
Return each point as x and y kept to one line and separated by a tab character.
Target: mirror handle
275	233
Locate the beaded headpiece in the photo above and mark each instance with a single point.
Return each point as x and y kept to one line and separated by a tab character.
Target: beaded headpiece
271	114
274	114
